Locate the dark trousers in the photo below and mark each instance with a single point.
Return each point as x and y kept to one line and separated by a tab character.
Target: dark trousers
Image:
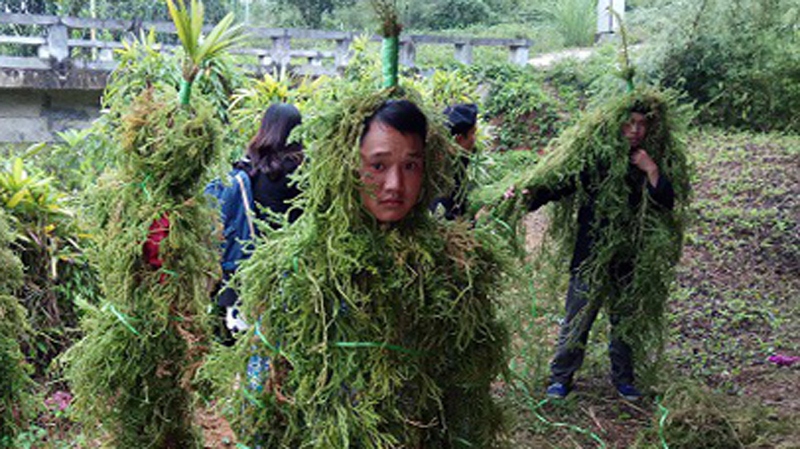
574	334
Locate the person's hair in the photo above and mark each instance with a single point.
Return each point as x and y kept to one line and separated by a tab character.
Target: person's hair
402	115
268	150
641	107
461	118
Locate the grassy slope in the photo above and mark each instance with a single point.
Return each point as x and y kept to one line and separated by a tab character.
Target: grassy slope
737	302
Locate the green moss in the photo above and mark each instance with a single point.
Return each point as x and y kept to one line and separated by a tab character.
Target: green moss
384	336
649	237
15	386
133	369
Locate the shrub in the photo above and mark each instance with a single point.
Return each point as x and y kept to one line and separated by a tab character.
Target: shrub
524	114
739	61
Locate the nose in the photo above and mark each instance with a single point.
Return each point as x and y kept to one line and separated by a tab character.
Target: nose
394	179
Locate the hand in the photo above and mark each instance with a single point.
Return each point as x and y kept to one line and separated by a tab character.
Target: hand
645	163
512	191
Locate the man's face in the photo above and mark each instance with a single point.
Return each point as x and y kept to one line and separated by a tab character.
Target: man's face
635	130
392	172
467	141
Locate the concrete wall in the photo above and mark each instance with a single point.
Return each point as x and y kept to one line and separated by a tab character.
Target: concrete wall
28	116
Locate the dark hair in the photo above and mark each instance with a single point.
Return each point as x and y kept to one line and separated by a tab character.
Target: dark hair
401	115
640	107
268	150
461	118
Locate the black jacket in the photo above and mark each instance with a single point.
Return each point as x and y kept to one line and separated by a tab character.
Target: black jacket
273	192
455	204
662	194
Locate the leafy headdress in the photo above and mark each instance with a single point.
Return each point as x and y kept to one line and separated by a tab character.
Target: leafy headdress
133	369
378	335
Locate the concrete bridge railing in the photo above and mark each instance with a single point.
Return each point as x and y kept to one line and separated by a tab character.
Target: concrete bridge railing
58	51
53	69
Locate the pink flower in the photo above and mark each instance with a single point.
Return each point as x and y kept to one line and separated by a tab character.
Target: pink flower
783	360
60	401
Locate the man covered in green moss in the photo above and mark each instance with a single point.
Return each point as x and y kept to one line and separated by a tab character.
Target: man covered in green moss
620	180
377	321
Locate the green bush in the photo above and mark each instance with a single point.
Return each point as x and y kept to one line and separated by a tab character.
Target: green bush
739	61
525	116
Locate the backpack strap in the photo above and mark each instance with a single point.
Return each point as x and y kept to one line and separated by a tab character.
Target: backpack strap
246	201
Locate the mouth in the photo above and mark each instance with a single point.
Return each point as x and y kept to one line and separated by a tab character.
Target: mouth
391	202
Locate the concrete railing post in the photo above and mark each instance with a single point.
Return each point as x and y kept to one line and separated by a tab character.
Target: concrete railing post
106	55
518	54
464	52
56	46
281	46
342	52
408	53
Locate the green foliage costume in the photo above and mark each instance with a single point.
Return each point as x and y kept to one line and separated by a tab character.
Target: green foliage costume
133	368
378	335
648	238
15	385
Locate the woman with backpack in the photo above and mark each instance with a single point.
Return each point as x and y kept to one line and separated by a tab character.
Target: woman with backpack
259	189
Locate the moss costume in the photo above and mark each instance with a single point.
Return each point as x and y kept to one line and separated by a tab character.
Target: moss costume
378	335
132	370
15	385
624	234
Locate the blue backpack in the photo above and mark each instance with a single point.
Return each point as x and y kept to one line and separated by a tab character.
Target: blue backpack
236	206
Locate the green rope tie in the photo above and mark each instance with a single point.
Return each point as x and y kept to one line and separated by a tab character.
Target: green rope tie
185	92
249	396
372	344
390	57
121	317
143	186
661	421
169	272
581	430
463	442
270	346
264	339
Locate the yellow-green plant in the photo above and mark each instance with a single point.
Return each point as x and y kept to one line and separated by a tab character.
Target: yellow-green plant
200	49
249	103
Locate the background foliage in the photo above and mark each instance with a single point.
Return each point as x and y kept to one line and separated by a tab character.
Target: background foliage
739	61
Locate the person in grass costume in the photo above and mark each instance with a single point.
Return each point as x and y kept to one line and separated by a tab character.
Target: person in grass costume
133	370
377	322
620	182
15	385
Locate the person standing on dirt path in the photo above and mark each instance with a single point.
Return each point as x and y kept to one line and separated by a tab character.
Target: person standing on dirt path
623	194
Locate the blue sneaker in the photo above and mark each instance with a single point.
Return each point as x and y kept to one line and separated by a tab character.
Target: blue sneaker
557	390
629	392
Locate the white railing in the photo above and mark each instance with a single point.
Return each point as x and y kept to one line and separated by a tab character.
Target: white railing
57	50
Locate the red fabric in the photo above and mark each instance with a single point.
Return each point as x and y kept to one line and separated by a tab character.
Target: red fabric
158	231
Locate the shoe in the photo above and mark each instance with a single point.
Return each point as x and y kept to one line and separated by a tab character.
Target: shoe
629	392
557	390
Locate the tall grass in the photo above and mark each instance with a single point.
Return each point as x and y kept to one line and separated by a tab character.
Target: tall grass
574	20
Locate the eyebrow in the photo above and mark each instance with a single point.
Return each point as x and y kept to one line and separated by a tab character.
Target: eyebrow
384	153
